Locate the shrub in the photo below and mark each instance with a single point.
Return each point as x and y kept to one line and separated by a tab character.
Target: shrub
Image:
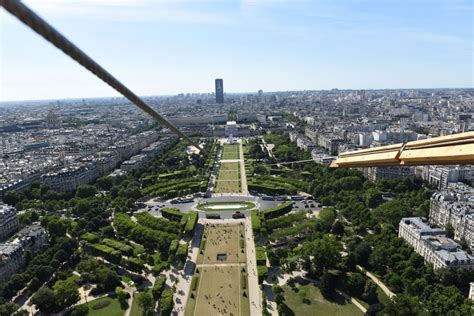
278	210
158	287
90	237
101	305
243	281
173	246
194	283
104	251
260	255
255	220
262	272
123	248
173	214
191	222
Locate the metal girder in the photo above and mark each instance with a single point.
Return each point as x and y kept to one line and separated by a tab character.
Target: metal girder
456	149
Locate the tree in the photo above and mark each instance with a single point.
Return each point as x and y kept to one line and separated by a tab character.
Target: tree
449	230
391	212
12	197
277	289
80	310
66	292
362	252
370	292
337	228
325	252
105	183
355	284
404	305
56	227
107	279
166	302
86	191
8	309
45	300
327	285
146	302
373	197
122	296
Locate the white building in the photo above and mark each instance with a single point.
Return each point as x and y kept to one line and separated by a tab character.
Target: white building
12	259
231	129
455	206
433	245
387	173
8	221
441	176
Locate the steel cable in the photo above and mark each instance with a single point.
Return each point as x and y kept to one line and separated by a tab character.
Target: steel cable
40	26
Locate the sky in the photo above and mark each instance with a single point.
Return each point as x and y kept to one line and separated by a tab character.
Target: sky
161	47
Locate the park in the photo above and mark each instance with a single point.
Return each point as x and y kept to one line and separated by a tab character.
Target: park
219	285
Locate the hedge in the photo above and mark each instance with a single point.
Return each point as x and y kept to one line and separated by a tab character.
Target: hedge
260	255
279	210
133	264
158	287
104	251
194	283
269	189
173	246
123	248
262	272
243	281
157	268
156	223
183	221
166	302
191	222
90	237
182	252
255	220
173	214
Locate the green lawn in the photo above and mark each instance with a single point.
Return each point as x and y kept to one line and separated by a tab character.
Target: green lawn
229	171
230	152
113	309
230	206
308	301
228	178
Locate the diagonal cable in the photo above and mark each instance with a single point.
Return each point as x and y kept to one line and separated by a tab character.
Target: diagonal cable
40	26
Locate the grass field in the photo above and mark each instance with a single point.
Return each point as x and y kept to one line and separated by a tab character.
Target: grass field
113	309
230	152
228	178
308	301
219	287
222	239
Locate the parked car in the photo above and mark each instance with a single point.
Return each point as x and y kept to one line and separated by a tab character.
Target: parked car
238	215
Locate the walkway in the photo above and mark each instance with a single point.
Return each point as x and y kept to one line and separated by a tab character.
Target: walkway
184	277
243	174
377	281
254	290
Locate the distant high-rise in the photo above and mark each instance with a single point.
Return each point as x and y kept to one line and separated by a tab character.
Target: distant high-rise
219	91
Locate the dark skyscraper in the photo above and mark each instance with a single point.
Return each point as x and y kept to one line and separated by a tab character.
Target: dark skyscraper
219	91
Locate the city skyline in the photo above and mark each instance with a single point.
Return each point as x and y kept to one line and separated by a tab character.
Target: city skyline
269	45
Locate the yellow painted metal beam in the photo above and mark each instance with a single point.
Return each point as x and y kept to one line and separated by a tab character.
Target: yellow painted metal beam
451	149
